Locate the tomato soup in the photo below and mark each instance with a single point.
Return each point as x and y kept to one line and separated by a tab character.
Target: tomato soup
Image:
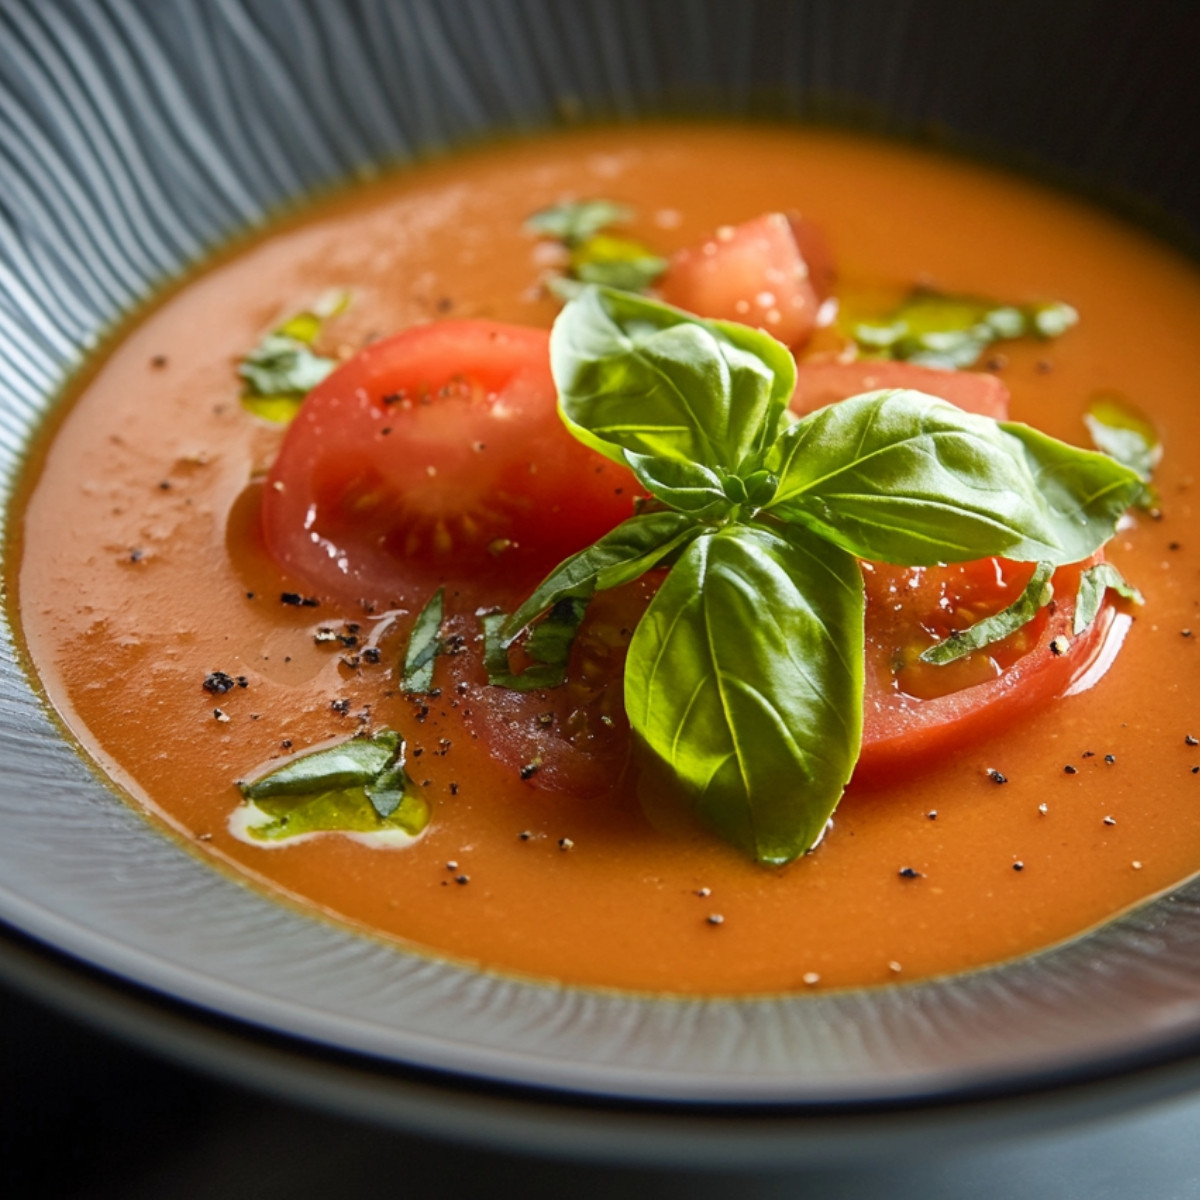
140	573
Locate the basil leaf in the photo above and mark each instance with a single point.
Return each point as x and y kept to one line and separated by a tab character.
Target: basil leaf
934	329
424	645
1038	592
616	262
351	764
387	790
548	647
620	556
577	220
905	478
359	786
745	678
1121	432
689	487
1093	583
283	366
636	375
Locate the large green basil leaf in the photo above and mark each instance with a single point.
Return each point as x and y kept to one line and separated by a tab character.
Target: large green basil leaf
620	556
745	678
636	375
902	477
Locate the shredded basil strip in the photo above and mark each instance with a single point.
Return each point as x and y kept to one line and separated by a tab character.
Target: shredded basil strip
1093	583
744	677
578	220
595	256
357	786
936	329
424	645
1037	593
548	645
283	368
1120	431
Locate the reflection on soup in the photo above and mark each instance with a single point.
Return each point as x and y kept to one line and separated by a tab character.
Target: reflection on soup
201	609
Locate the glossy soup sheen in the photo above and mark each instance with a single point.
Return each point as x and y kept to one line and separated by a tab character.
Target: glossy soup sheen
137	551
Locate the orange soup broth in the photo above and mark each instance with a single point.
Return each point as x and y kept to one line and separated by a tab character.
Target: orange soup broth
138	572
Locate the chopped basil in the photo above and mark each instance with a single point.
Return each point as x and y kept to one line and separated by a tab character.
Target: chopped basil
548	646
1037	593
359	786
578	220
595	256
1120	431
934	329
1093	583
283	368
745	675
424	645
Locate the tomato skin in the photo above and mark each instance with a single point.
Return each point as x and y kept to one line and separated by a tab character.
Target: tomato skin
902	732
819	384
437	457
755	273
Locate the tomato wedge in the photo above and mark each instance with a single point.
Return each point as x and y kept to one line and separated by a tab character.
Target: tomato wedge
437	457
773	272
819	384
915	712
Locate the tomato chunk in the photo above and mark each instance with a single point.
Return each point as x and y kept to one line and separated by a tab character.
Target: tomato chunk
819	384
915	712
759	273
437	457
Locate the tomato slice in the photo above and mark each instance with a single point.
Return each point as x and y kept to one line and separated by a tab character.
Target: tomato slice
819	384
437	457
915	712
574	738
773	272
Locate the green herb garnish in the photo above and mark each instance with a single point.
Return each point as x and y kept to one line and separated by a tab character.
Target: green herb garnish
424	645
548	646
359	786
1120	431
1036	594
595	256
1093	583
283	368
937	330
745	675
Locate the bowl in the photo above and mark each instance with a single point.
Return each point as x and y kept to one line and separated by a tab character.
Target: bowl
135	137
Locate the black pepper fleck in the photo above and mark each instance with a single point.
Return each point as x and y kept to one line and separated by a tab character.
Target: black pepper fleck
454	789
566	844
286	744
1070	770
932	814
1191	741
218	683
996	776
295	600
525	835
372	655
529	770
910	873
462	879
1110	759
341	707
715	919
1018	865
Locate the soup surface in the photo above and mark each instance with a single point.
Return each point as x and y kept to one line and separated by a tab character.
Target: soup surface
140	571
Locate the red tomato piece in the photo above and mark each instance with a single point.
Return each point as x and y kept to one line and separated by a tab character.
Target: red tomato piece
757	274
437	457
819	384
573	738
915	712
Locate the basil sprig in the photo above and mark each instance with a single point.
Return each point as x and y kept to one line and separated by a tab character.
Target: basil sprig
745	675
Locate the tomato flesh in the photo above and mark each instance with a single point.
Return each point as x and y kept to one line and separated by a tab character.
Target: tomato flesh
437	457
819	384
757	274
